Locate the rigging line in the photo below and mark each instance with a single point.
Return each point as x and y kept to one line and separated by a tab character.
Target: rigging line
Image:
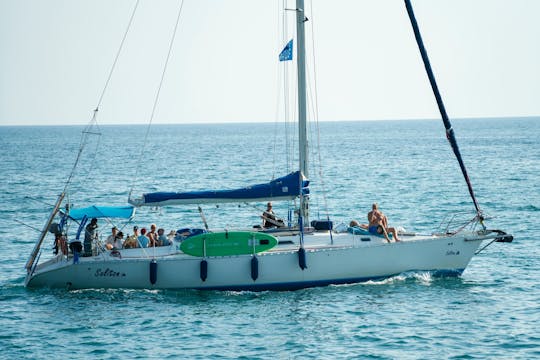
294	118
288	93
315	102
295	112
274	149
278	93
93	122
287	120
287	84
118	54
482	249
311	148
28	226
93	160
158	93
84	140
289	117
286	89
39	201
449	131
289	96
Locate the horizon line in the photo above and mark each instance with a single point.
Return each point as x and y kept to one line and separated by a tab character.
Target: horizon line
272	122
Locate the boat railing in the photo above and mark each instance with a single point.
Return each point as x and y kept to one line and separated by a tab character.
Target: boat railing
456	222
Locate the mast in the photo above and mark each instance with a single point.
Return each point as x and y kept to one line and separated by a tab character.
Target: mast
302	116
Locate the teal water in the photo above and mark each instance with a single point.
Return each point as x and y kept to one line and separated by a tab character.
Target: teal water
492	311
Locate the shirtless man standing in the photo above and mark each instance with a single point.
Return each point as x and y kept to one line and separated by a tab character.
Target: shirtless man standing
377	219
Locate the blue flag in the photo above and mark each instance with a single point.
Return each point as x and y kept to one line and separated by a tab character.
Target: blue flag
286	53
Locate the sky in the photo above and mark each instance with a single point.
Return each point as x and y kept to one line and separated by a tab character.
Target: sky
55	57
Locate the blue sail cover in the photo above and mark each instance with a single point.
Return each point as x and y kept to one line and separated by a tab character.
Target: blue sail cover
283	188
124	212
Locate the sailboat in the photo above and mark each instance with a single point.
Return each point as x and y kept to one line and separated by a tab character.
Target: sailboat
290	256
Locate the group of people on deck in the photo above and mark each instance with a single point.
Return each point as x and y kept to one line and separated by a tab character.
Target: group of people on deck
143	239
377	224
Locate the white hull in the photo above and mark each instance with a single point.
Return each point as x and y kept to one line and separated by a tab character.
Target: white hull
349	259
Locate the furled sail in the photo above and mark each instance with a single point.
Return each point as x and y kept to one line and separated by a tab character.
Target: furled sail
283	188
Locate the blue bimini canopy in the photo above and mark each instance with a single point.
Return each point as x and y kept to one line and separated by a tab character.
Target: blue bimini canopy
283	188
124	212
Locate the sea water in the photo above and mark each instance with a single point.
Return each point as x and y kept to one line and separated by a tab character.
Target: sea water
491	311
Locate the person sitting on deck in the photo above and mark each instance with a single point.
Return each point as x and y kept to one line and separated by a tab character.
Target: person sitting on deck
378	223
355	223
152	236
131	241
109	243
269	218
118	241
163	240
143	240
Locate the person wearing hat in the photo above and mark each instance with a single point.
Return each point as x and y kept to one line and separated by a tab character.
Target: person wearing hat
131	241
90	233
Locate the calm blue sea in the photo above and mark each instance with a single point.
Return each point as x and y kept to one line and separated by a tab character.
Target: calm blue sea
492	311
